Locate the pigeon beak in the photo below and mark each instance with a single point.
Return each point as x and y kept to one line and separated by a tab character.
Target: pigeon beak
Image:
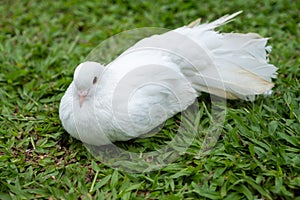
82	95
81	99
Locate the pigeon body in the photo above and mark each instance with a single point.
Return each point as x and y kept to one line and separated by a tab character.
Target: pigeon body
160	76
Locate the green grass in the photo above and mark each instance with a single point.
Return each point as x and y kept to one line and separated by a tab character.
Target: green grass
257	155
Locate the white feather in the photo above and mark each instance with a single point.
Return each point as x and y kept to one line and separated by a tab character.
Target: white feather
234	62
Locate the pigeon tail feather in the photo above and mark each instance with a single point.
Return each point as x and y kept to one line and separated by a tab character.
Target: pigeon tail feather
239	62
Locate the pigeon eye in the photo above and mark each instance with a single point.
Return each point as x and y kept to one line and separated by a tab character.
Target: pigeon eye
95	80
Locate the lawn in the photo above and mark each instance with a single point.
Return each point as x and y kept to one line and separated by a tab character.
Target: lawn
257	155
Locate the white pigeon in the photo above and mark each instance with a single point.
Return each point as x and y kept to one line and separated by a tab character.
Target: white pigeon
160	76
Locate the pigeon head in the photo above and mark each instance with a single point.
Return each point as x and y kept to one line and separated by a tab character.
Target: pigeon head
86	77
